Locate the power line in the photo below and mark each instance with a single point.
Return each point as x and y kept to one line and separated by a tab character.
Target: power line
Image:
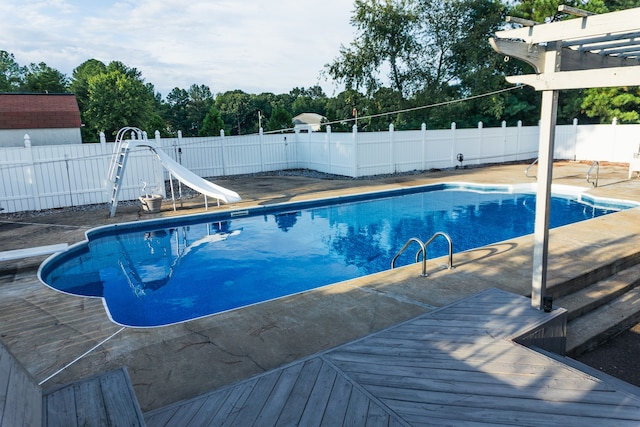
422	107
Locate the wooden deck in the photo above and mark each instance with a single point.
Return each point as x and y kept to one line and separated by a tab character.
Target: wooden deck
458	365
105	400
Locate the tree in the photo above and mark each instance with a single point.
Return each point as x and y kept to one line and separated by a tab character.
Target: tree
238	112
80	87
340	110
280	119
605	104
387	36
312	100
460	62
40	78
187	109
80	79
118	97
436	51
622	103
176	115
197	108
11	73
212	123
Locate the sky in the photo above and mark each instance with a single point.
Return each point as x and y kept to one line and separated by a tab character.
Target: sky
252	45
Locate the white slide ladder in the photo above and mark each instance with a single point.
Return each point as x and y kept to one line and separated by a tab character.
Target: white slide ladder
118	164
116	173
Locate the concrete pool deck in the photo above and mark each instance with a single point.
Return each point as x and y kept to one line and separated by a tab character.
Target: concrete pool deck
46	330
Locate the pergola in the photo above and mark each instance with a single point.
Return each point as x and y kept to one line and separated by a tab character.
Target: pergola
588	51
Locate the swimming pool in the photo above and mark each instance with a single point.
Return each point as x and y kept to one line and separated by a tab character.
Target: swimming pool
160	272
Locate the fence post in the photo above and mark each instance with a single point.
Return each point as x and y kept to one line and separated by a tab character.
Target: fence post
354	137
294	147
31	176
158	170
103	139
327	141
453	144
481	154
613	148
423	134
575	139
504	140
392	150
261	142
222	153
518	136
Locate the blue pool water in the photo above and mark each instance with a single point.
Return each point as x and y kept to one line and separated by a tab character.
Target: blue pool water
160	272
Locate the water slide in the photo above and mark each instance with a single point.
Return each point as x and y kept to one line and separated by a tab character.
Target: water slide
189	178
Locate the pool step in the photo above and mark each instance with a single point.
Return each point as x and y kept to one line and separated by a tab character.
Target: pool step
601	310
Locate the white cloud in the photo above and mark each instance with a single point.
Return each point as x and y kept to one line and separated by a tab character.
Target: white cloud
253	45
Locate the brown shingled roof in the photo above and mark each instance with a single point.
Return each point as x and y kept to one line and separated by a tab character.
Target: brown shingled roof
38	111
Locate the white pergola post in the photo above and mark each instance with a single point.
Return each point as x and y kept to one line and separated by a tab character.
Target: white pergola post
543	197
548	119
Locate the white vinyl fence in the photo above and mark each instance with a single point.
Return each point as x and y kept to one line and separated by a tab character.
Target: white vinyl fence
36	178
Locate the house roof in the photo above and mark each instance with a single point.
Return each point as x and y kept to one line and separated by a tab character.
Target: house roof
38	111
308	118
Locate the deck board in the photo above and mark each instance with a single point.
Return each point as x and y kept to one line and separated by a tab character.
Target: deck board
458	364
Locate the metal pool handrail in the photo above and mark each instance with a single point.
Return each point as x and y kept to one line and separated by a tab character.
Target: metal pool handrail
595	164
526	171
423	251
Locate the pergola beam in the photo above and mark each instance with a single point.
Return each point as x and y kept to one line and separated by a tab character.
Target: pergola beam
572	60
605	77
532	55
521	21
579	28
574	11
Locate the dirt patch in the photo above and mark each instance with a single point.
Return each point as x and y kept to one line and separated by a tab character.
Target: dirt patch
618	357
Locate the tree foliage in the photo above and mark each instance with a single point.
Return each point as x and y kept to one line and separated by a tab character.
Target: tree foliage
187	109
10	73
280	119
621	103
36	78
116	98
212	123
387	37
40	78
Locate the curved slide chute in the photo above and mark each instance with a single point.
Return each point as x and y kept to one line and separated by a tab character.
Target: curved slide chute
189	178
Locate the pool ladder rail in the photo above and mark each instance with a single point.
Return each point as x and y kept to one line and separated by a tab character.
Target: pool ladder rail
423	251
596	165
526	171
